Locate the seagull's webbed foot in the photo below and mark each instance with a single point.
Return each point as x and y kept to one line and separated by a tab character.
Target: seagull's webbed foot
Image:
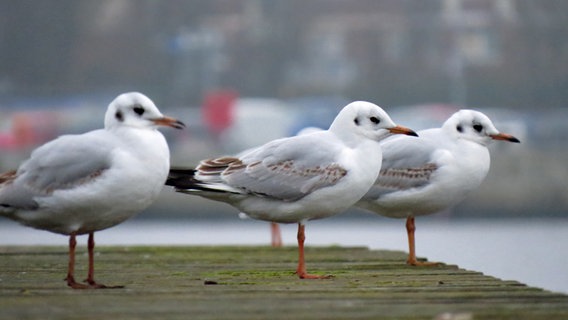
76	285
419	263
89	284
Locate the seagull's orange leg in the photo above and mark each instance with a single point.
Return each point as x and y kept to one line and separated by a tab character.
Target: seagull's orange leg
91	247
410	228
276	235
71	269
301	270
91	275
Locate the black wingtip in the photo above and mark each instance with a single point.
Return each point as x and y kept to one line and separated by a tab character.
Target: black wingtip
181	178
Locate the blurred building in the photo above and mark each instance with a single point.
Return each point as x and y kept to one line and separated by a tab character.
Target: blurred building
62	61
396	52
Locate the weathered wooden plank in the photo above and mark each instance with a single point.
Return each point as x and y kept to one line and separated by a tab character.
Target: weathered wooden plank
258	283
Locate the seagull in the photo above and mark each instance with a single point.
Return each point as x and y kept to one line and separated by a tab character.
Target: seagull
425	175
275	233
300	178
79	184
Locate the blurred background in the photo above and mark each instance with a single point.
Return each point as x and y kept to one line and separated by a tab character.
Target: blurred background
242	72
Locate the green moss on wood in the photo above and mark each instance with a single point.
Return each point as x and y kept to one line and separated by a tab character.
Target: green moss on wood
247	282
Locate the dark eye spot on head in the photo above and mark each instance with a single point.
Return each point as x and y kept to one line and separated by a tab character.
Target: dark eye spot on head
356	120
139	110
119	116
477	127
375	120
459	128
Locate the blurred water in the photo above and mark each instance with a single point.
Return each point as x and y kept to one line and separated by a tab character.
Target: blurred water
530	251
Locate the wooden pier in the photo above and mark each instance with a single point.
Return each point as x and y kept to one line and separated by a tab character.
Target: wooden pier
253	282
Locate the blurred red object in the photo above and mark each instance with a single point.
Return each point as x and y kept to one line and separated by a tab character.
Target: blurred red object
29	129
217	109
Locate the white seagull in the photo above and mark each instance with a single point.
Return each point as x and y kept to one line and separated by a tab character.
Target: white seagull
300	178
425	175
79	184
275	233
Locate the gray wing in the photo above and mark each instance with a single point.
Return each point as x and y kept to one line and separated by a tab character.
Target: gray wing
286	169
60	164
408	162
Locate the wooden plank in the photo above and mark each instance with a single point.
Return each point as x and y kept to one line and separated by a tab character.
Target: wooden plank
225	282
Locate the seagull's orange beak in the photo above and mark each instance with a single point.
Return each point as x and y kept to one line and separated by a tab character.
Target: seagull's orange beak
169	122
505	137
403	130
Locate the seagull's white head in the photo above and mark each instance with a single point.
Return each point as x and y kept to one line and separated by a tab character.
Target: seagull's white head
134	109
365	119
475	126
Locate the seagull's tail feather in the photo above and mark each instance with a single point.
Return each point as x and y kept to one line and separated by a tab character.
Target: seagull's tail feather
7	177
14	197
184	180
